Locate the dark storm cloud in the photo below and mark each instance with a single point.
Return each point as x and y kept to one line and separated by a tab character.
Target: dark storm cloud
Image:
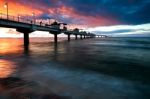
126	11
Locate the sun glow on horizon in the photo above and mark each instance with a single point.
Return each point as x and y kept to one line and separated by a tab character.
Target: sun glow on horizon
12	33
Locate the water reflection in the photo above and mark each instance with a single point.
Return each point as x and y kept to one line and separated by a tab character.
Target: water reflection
26	50
6	68
10	46
93	66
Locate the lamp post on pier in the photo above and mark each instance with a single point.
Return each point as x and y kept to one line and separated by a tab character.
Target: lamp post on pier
33	14
6	6
19	18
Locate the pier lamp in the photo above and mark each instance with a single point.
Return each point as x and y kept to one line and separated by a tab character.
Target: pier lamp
49	20
19	18
6	6
33	14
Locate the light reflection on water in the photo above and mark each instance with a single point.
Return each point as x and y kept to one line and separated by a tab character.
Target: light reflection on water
87	68
7	68
10	46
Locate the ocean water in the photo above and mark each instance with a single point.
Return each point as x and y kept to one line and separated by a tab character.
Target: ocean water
98	68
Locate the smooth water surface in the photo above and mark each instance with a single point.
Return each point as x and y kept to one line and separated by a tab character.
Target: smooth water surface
100	68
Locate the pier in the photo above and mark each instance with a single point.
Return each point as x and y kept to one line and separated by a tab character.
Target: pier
101	36
27	26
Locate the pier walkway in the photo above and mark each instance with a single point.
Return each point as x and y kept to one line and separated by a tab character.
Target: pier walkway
27	26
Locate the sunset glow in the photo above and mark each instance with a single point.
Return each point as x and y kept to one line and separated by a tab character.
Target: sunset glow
16	9
87	15
74	49
6	68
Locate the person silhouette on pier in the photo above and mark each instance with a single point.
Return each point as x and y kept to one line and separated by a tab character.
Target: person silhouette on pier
31	21
65	28
40	23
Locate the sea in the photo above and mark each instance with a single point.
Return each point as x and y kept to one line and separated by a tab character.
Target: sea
92	68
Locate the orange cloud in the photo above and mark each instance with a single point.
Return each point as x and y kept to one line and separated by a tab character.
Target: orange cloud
16	9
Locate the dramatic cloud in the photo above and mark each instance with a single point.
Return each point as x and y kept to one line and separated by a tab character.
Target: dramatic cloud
84	13
91	12
126	11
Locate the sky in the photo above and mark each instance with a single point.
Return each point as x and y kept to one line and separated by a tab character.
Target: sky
109	17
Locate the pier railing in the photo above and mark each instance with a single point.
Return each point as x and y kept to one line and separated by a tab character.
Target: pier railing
21	19
34	21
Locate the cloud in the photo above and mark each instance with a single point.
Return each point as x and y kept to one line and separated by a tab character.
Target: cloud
101	12
122	30
115	17
125	11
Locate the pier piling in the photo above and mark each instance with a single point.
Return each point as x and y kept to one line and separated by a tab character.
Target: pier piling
81	37
26	33
55	38
26	39
76	36
68	37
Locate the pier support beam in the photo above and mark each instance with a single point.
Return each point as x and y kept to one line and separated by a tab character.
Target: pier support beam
84	37
81	37
26	39
55	33
55	38
76	36
26	33
68	37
